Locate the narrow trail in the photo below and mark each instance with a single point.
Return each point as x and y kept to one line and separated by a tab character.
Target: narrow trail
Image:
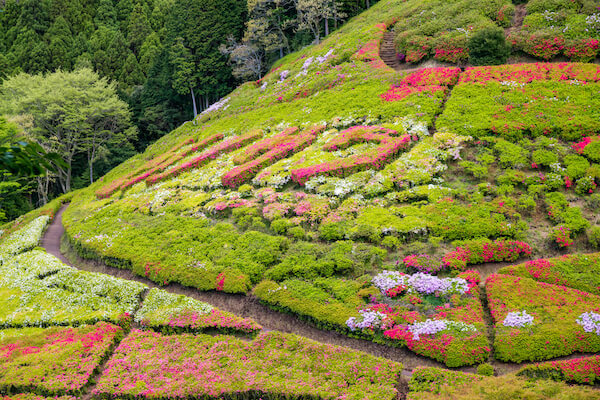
517	20
248	306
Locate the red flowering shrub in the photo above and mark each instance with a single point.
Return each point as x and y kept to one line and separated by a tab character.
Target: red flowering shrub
484	250
582	50
541	46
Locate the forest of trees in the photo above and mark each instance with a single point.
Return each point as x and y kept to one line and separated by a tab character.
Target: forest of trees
158	62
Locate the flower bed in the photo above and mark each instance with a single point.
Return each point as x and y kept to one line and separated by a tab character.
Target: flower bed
577	271
38	290
515	110
274	365
275	148
130	178
583	370
172	158
24	239
53	361
227	146
31	396
168	312
441	318
547	325
377	158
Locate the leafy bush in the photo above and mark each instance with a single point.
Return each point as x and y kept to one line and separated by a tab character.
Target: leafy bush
485	369
488	47
593	235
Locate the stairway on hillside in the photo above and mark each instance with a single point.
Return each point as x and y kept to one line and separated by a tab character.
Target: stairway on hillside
387	51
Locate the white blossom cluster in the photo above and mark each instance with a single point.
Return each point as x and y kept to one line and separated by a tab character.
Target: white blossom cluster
160	306
24	239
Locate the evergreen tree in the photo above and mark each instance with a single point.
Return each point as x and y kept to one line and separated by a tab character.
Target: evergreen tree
138	28
150	49
60	45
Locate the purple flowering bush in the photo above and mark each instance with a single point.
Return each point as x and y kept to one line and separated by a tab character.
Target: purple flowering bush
590	321
518	319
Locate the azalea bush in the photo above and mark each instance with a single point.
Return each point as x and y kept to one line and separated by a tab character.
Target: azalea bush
168	312
55	361
273	365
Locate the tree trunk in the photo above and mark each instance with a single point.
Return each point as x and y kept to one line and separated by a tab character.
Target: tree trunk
194	102
326	26
281	52
91	164
42	182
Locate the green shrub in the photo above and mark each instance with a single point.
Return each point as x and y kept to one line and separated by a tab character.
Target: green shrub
576	166
544	158
592	151
510	154
477	170
593	202
488	47
593	235
281	225
526	203
485	369
297	232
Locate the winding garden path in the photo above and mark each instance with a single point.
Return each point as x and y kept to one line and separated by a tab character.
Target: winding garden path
248	306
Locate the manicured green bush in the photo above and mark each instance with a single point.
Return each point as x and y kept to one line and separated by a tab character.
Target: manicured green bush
488	47
485	369
584	370
593	235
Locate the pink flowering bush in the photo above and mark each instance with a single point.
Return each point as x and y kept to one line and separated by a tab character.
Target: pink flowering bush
561	235
54	361
480	251
274	365
583	370
553	331
582	50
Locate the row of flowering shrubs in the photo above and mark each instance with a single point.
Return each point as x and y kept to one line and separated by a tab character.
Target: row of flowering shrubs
583	370
268	151
274	366
577	271
538	321
26	238
41	291
54	361
169	313
469	252
136	175
388	147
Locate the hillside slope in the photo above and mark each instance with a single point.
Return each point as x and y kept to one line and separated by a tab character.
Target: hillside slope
376	203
